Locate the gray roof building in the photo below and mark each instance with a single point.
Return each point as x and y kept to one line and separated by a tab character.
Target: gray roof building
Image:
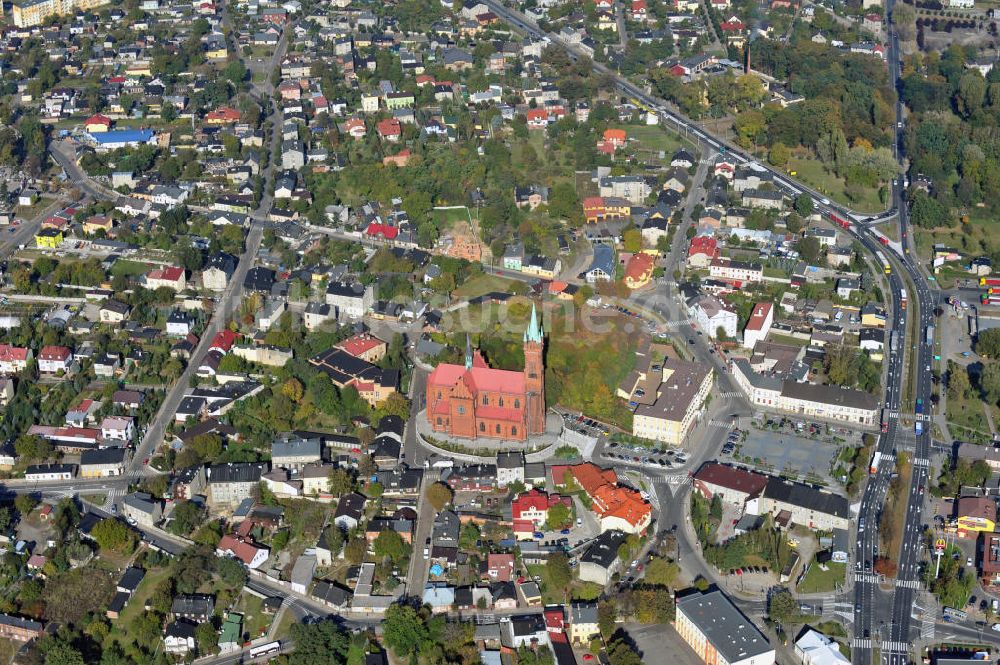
729	631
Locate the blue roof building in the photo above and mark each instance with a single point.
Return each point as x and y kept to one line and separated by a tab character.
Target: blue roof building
602	267
122	138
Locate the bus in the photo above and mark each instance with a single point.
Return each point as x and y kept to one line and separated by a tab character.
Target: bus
902	298
885	263
951	614
929	336
262	650
885	421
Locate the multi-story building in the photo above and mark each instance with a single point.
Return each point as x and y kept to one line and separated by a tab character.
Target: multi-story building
796	503
293	452
734	486
669	414
19	629
712	315
29	13
351	300
719	633
14	359
229	484
759	324
52	359
735	271
806	399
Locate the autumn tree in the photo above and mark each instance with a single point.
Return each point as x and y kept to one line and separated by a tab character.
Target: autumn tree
440	495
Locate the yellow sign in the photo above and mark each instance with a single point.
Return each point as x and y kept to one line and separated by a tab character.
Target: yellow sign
939	544
976	524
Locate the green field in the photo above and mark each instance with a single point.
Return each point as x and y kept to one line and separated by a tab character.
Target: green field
129	268
812	172
482	284
967	420
447	216
818	580
654	137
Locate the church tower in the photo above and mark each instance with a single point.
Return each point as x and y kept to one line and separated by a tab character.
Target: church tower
534	375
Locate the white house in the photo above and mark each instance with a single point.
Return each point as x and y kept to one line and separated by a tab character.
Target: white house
711	314
758	325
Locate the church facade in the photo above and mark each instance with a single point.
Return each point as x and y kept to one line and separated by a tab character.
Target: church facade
474	400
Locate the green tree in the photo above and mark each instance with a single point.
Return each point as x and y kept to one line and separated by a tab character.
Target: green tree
319	643
988	343
25	503
390	544
187	516
111	534
989	380
808	248
958	381
661	572
404	630
779	155
558	571
206	638
558	516
781	606
341	482
804	205
59	652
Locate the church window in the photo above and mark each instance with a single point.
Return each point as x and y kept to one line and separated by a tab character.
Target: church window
439	420
439	394
461	410
486	400
498	428
482	427
513	431
517	404
500	402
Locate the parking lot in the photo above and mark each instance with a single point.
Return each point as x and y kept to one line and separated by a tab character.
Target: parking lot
584	425
663	459
787	452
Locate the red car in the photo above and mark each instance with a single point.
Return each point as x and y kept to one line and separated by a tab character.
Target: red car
146	461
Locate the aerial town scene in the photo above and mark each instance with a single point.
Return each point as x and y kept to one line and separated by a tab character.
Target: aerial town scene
512	332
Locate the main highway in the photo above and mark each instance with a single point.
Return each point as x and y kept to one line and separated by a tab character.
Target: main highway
882	619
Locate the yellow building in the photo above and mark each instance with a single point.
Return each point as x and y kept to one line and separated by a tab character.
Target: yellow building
48	239
29	13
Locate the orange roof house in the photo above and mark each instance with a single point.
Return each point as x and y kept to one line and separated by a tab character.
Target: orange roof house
615	136
400	159
389	129
222	116
638	270
97	123
616	507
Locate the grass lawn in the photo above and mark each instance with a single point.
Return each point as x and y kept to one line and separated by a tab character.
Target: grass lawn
481	284
129	268
95	499
654	137
968	418
811	171
789	340
255	621
285	627
445	217
7	651
818	580
120	626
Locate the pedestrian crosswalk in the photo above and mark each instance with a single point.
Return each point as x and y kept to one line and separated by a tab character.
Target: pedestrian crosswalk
731	394
908	584
871	578
921	461
887	647
114	494
895	647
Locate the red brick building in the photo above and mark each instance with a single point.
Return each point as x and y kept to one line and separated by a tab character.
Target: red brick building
476	400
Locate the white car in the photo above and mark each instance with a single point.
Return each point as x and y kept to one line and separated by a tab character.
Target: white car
995	627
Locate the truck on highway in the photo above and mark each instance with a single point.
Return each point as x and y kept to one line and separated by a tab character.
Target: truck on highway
885	262
902	298
894	341
989	281
929	336
919	407
918	427
876	459
885	420
989	299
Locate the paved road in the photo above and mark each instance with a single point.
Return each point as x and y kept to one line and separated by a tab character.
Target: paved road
231	298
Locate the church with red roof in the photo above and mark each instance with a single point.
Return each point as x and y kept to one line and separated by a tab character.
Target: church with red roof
474	400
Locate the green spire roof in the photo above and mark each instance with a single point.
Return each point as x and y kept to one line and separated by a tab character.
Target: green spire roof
534	331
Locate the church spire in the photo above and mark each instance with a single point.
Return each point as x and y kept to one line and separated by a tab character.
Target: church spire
534	331
468	352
